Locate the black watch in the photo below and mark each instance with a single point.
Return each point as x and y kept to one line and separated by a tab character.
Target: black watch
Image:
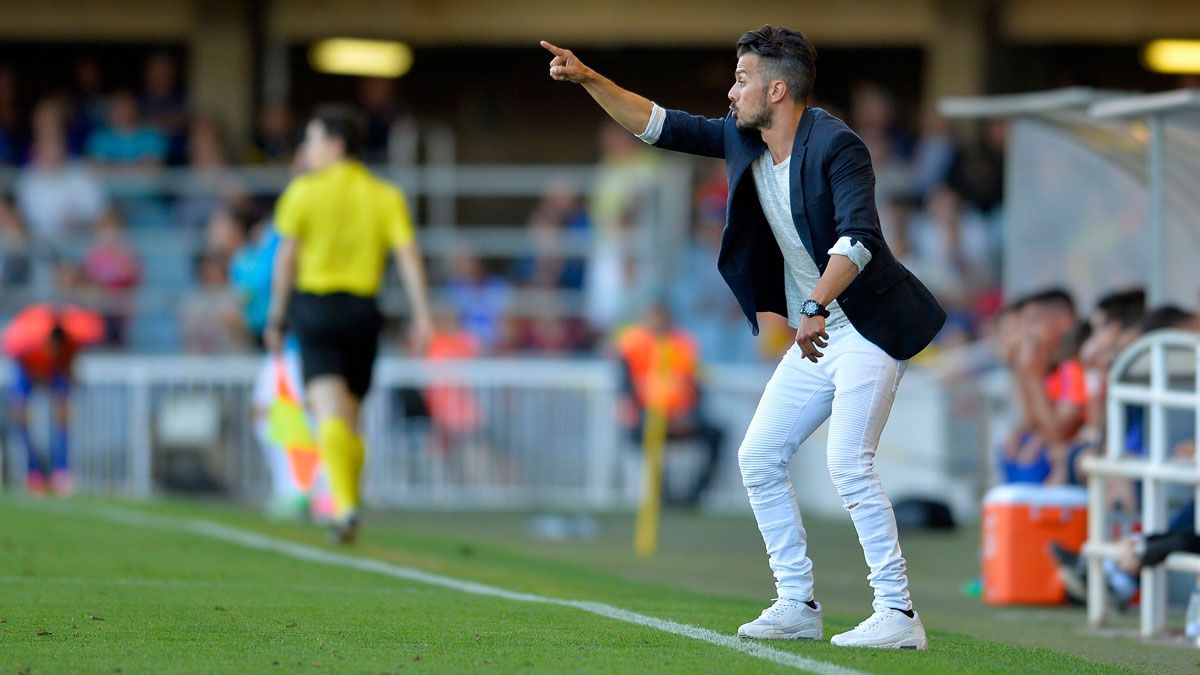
813	308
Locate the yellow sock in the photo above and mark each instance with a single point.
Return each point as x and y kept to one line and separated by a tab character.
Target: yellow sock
344	454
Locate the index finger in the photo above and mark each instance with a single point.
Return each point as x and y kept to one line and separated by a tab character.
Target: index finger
557	51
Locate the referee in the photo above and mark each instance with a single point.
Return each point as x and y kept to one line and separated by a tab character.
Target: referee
337	225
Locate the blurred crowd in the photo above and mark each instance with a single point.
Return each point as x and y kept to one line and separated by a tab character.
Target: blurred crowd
86	218
87	221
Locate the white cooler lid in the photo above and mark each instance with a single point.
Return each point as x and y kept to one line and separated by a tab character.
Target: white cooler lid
1037	495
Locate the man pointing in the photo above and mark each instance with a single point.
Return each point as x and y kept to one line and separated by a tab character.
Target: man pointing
802	239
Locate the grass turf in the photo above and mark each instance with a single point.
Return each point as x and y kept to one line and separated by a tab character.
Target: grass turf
82	594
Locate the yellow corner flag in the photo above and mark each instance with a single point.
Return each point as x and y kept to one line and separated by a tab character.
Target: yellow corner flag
287	427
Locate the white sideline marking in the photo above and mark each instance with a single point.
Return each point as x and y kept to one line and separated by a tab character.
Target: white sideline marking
291	549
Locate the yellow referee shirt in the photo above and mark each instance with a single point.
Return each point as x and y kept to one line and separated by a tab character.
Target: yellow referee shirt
347	221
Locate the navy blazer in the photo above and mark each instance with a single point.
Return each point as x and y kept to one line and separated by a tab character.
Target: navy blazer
833	196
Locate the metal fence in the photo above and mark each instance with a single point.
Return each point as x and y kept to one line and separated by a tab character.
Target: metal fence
493	433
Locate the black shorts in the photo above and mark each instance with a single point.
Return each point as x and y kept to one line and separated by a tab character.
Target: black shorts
338	335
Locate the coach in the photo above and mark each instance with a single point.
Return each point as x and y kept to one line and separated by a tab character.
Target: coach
802	239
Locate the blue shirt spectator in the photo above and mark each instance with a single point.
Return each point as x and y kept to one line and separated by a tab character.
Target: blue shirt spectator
125	140
250	275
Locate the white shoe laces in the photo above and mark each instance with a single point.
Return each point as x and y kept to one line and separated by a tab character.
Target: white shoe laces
871	622
778	609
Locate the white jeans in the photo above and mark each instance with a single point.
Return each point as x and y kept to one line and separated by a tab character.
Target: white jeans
853	385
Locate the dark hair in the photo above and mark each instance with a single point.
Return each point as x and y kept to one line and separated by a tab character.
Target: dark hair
1054	297
783	54
58	334
1167	316
247	214
1073	341
342	122
1123	307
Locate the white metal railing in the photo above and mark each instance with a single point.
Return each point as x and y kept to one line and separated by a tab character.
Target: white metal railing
547	434
1160	371
544	434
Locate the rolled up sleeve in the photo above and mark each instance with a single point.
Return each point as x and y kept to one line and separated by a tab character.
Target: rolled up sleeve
852	185
852	249
654	126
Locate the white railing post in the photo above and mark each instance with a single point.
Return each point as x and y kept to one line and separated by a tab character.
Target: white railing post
1154	498
604	444
1097	598
140	419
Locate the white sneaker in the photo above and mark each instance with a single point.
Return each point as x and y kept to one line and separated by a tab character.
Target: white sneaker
889	629
786	620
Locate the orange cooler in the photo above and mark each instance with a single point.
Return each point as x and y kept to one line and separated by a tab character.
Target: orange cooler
1019	522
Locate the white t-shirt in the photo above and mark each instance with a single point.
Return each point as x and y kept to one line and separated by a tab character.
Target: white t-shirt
799	270
775	196
58	203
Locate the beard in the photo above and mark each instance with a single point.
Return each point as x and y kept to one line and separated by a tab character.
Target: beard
760	119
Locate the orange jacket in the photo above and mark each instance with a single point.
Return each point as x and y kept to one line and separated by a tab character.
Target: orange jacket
453	407
662	369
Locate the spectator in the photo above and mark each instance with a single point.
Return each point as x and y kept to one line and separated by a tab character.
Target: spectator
1117	321
557	220
548	331
379	100
210	178
626	167
16	256
89	109
164	107
211	315
224	233
954	252
978	172
12	137
934	154
68	282
112	267
1050	385
705	307
275	136
126	141
60	199
43	342
661	364
617	213
1112	329
1180	423
873	118
479	299
457	416
251	266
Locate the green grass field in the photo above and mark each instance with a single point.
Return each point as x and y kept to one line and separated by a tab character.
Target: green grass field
85	588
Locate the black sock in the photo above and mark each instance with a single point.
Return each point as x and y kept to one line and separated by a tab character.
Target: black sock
906	612
812	604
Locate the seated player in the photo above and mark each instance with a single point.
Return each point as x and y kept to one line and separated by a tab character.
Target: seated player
1050	384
